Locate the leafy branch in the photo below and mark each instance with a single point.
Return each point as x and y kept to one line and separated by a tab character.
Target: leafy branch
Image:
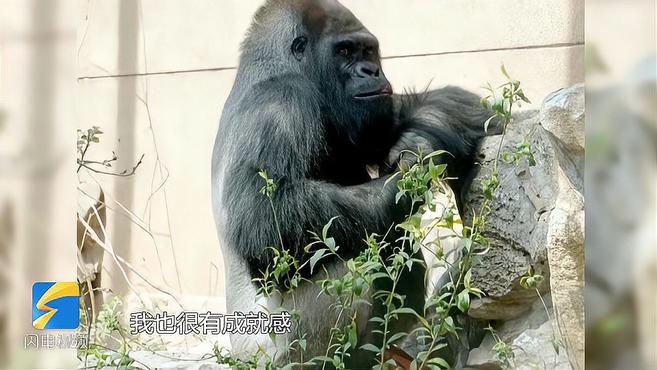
92	136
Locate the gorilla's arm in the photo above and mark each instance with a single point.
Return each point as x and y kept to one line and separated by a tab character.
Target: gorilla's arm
450	119
307	205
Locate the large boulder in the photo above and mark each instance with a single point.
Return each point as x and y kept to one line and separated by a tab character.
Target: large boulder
537	218
518	223
563	113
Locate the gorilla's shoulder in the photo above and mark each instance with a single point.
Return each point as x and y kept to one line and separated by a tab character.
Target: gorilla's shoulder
283	93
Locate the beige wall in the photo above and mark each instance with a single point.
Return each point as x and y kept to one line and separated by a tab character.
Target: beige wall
179	57
37	186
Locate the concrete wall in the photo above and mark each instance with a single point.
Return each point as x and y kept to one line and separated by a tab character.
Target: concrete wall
37	166
155	74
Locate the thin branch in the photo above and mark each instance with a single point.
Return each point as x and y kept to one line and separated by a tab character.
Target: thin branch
82	163
120	261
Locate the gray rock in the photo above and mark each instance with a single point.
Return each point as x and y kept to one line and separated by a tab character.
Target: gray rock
516	227
562	114
537	220
565	234
531	338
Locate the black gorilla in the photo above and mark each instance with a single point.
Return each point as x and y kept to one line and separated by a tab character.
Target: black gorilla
312	106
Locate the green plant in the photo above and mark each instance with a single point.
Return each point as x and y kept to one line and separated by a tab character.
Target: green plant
522	150
501	101
86	138
225	358
503	351
533	281
101	348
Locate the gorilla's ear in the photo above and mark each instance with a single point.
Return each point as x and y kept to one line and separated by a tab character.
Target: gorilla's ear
299	46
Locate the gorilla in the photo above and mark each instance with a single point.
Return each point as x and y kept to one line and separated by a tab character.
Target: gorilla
311	105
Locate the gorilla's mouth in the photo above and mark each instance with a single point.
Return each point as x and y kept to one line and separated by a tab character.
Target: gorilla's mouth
385	91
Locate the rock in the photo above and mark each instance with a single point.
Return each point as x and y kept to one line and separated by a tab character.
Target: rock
565	237
535	349
516	227
501	309
562	114
531	338
537	219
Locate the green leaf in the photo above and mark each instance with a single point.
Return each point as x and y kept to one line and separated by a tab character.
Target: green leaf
522	96
556	344
322	359
315	258
357	287
467	279
487	123
484	101
309	246
463	301
353	337
330	244
436	153
399	195
395	337
390	364
377	319
337	284
370	347
508	158
407	310
505	73
439	362
351	265
327	227
391	178
441	168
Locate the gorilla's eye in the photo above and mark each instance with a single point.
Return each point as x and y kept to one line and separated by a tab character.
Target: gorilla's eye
344	49
299	46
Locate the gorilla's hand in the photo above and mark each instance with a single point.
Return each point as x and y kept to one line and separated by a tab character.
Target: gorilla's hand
408	141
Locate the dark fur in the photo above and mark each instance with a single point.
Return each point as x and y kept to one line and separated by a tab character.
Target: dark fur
291	117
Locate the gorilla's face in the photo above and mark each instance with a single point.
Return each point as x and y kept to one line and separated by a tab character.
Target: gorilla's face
356	60
352	61
340	57
346	68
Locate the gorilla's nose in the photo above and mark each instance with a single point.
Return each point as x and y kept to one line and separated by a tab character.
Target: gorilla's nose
367	69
